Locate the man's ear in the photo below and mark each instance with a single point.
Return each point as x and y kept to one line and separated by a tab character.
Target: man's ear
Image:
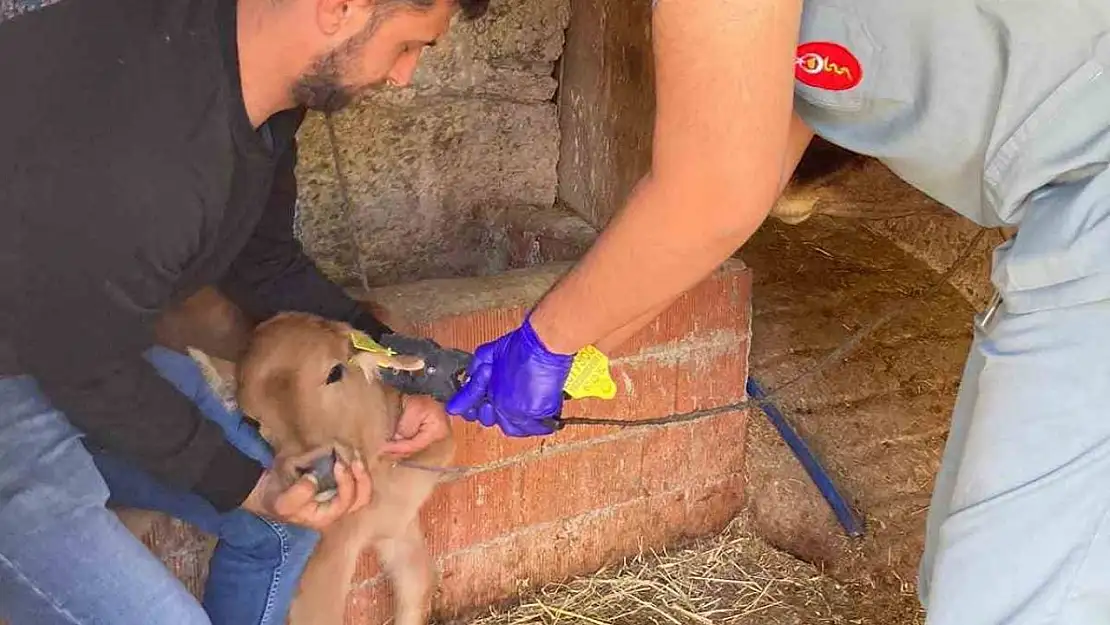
335	16
220	375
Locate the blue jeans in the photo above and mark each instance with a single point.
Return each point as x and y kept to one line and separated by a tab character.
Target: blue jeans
66	558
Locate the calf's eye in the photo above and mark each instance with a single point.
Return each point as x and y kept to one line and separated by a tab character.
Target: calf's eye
336	374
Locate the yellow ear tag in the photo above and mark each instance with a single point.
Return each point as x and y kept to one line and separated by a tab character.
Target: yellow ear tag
362	342
589	375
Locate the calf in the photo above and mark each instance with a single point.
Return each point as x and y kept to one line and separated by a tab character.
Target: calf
310	388
302	378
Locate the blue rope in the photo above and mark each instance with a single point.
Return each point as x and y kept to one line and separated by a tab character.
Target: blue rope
844	513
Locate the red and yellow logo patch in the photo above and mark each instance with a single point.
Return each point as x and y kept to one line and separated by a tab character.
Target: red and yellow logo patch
827	65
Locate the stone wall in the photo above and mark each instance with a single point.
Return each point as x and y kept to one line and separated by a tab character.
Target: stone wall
606	105
430	165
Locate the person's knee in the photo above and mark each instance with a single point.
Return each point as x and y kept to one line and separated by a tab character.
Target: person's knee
279	544
85	567
1031	555
23	601
301	542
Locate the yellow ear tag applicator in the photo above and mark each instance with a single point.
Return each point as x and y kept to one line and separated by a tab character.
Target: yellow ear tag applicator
589	376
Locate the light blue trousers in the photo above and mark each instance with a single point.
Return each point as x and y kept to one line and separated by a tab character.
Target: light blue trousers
1018	531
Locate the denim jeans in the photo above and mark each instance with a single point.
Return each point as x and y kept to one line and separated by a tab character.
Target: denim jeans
66	558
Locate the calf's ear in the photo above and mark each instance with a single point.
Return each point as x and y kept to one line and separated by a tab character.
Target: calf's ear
371	354
401	362
220	375
370	362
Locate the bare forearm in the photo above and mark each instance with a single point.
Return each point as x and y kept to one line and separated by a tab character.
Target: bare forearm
641	263
799	138
625	332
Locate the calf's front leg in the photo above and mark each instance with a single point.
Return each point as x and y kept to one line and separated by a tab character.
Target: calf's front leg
326	582
408	565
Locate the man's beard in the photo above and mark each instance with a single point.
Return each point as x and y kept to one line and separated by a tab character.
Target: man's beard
321	88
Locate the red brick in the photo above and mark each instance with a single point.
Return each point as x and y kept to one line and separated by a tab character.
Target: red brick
687	454
474	509
666	463
648	386
471	330
530	559
479	576
498	570
478	445
714	377
576	433
718	446
651	388
581	545
367	567
710	507
568	503
569	483
579	510
645	389
460	513
665	522
718	302
589	543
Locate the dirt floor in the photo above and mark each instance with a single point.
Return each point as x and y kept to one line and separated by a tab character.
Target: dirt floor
877	420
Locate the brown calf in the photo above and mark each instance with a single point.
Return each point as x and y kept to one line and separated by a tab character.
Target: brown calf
301	378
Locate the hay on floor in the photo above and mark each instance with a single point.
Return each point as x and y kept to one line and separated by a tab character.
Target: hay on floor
732	579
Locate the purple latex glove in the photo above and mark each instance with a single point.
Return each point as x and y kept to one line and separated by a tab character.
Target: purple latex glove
515	383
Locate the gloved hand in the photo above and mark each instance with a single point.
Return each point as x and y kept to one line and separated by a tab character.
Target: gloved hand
515	383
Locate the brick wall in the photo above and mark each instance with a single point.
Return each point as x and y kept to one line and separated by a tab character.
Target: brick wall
540	510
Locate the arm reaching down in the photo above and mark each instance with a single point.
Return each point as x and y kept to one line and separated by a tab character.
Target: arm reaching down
798	140
723	129
724	83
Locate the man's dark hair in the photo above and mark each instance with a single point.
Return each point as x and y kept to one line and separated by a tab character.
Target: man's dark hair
471	9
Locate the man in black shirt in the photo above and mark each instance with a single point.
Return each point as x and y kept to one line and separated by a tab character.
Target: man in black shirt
147	149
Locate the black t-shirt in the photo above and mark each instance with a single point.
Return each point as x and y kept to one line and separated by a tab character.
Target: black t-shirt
130	176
